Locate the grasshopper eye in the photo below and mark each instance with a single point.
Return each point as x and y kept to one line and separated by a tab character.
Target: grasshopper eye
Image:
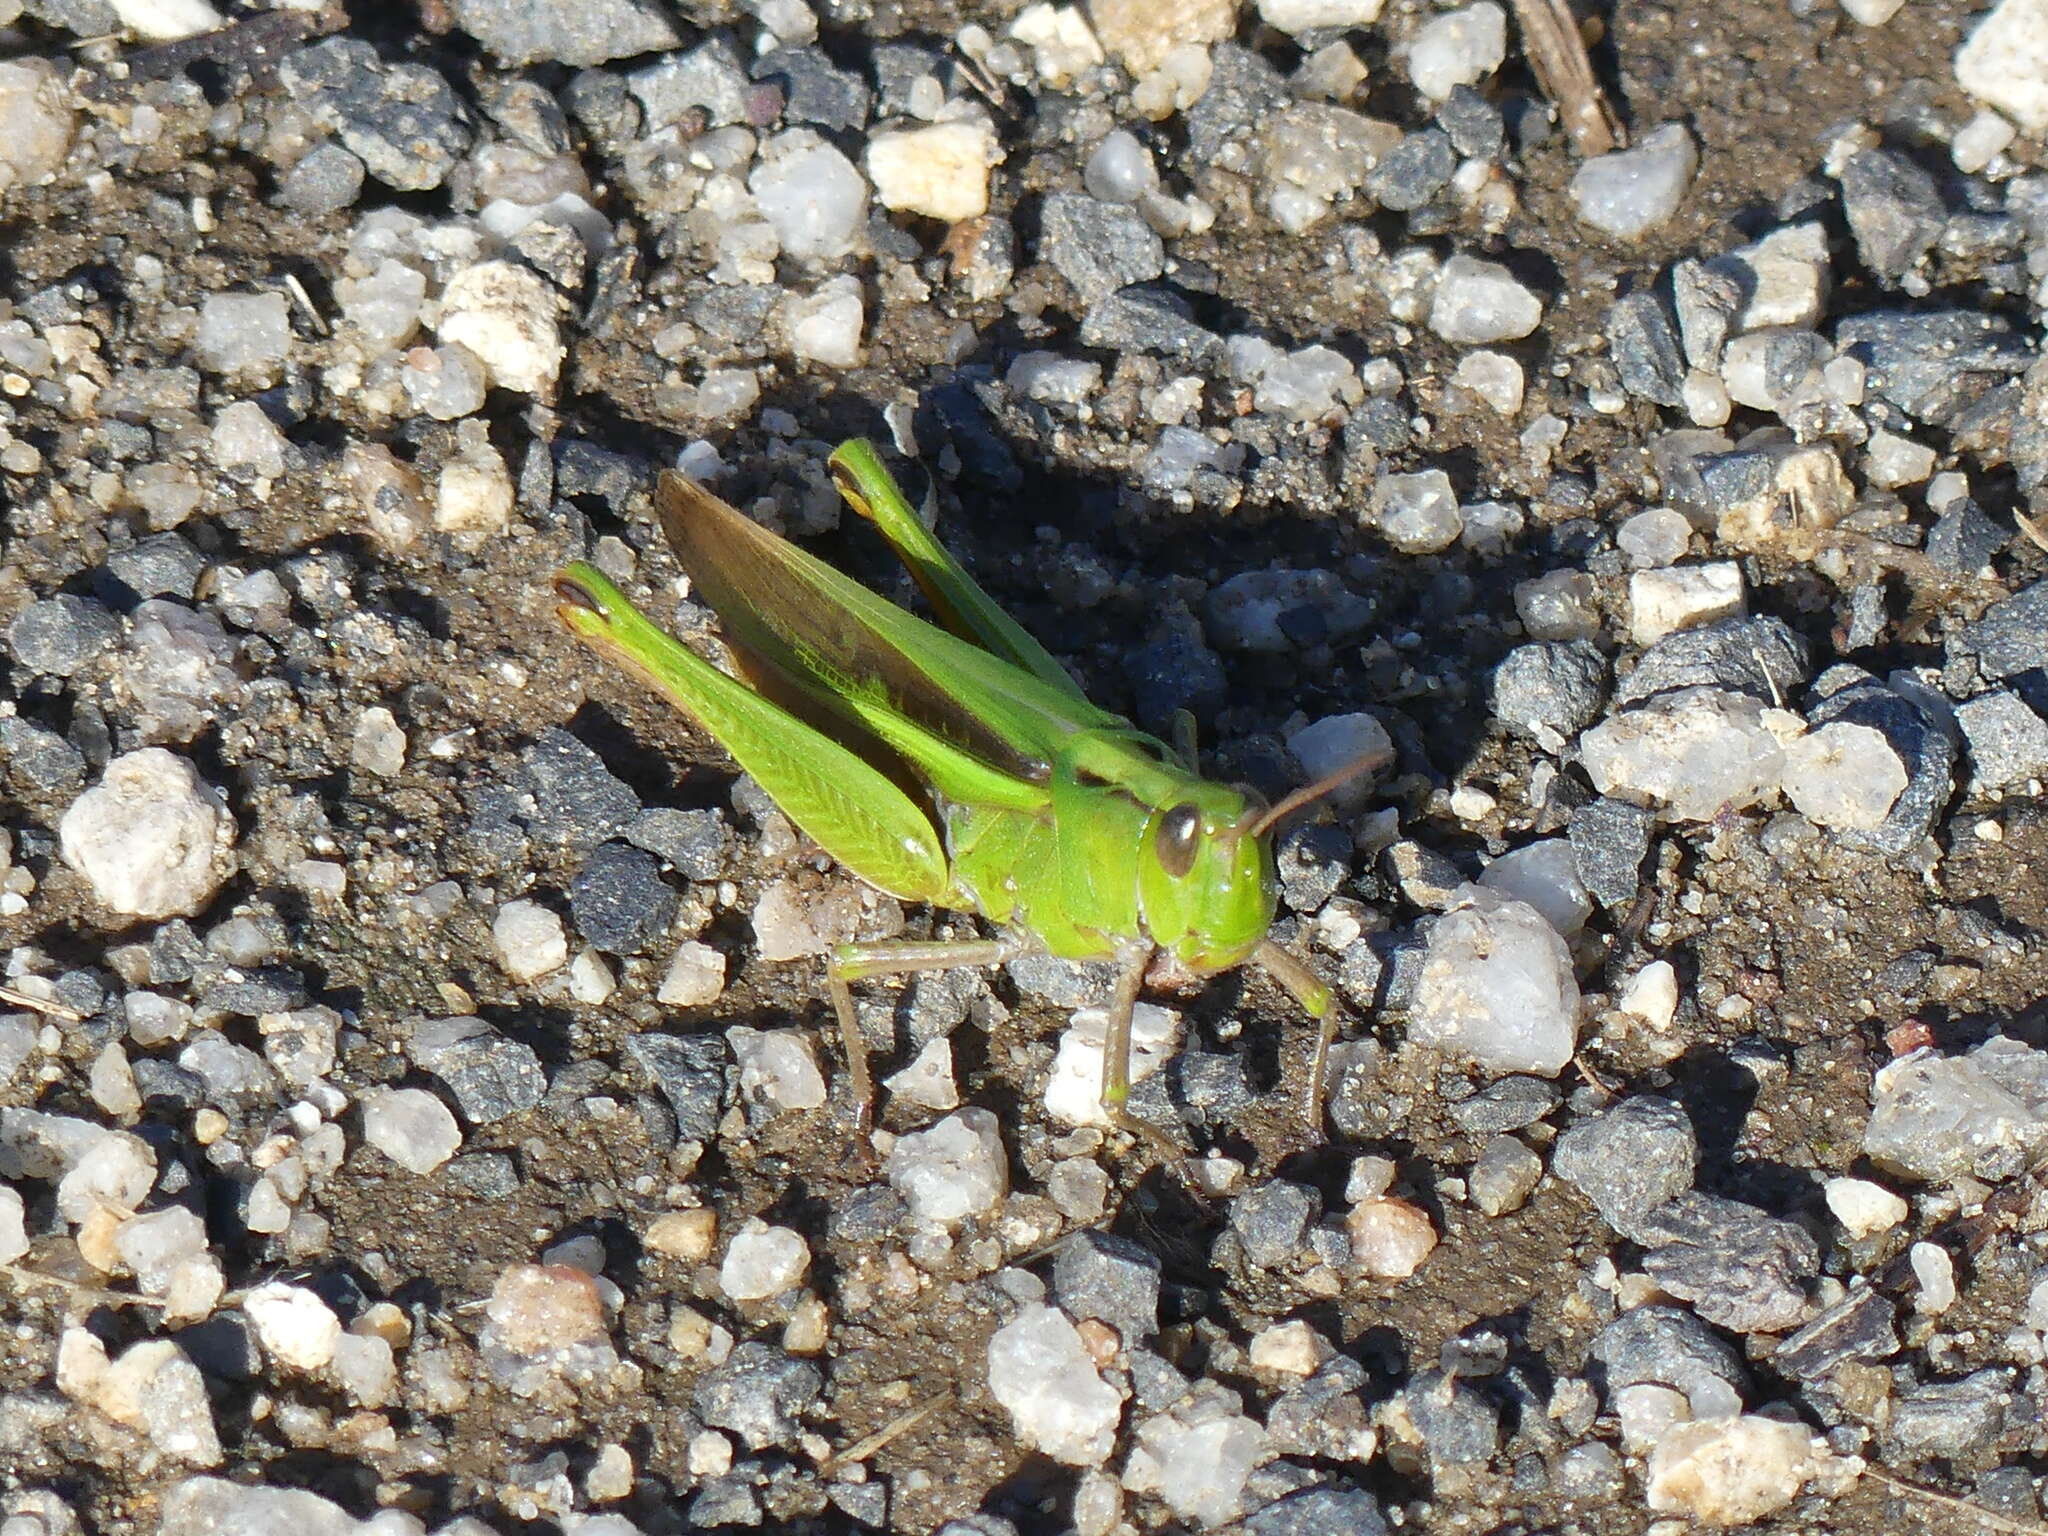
1179	834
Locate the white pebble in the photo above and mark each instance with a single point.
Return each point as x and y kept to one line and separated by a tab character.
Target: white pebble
1040	1370
1843	775
1652	995
2005	63
13	1225
1980	141
928	1080
505	314
1892	461
1480	302
1692	754
1120	170
777	1068
763	1261
530	940
379	744
36	121
1294	16
245	438
940	171
1872	13
1935	1272
1073	1092
1544	874
475	493
1461	48
295	1327
1682	596
411	1127
1731	1471
1631	192
1389	1237
695	976
243	334
1865	1209
1493	377
166	21
810	194
824	326
151	838
1497	988
1418	513
955	1170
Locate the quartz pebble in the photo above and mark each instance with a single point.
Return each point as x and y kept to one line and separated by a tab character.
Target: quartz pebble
1843	775
151	838
1479	302
778	1069
928	1079
824	326
1984	1113
940	171
152	1388
1461	48
36	121
955	1170
763	1261
530	940
1545	875
1681	596
1494	377
1631	192
1040	1370
1731	1471
695	976
1496	988
504	313
1073	1093
810	194
2004	62
295	1327
411	1127
1689	754
1389	1237
1198	1456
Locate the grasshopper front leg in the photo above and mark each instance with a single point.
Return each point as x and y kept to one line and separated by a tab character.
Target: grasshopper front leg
1320	1003
892	957
1132	958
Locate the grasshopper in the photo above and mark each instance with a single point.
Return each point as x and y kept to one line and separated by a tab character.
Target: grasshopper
1066	826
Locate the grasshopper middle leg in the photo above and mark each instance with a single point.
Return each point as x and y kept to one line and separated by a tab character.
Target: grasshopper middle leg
892	957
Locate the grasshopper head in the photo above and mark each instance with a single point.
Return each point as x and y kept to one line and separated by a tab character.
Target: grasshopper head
1206	887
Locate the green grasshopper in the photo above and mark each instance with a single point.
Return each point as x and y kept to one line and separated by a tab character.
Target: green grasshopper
1064	824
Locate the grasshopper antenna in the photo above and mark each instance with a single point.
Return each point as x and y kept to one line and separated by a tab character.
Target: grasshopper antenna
1308	794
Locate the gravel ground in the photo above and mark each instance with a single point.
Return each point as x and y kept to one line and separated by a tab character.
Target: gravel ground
417	1109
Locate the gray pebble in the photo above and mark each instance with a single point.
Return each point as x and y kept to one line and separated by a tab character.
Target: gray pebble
1629	1160
325	180
1474	123
1642	338
1509	1104
2012	637
1271	1221
1414	171
1610	840
690	1071
1100	1275
1738	1266
1858	1327
1953	1418
165	565
1098	247
695	843
1550	690
814	90
1932	364
588	32
759	1393
1761	657
490	1075
1894	211
1670	1347
402	120
1150	319
1459	1424
579	799
59	635
1320	1512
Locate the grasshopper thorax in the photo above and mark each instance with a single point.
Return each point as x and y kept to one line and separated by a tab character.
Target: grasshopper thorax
1207	889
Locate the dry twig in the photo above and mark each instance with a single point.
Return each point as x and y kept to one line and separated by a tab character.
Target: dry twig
1550	36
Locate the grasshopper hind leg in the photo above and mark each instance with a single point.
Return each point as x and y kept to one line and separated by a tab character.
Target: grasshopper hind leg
859	962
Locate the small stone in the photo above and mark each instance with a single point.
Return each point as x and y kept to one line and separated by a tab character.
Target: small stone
763	1261
411	1127
1120	169
1925	748
1683	597
824	326
1098	247
1297	16
1954	1419
1559	606
60	636
595	32
1630	192
1413	171
1657	537
1142	33
2008	740
619	901
378	745
243	334
153	1388
1418	514
940	171
1544	875
1894	210
1933	364
1843	775
403	121
1731	1471
245	438
760	1394
325	180
1288	1349
2004	63
1651	995
778	1071
1864	1209
1503	1176
928	1080
1461	48
295	1327
1481	302
492	1076
151	838
1550	692
1040	1370
1073	1092
1629	1160
1983	1114
1935	1273
1389	1237
1690	755
1271	1222
695	977
810	194
1305	386
1199	1456
1497	988
36	121
690	1072
530	940
1494	377
504	313
1978	142
1740	1268
688	1236
955	1170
